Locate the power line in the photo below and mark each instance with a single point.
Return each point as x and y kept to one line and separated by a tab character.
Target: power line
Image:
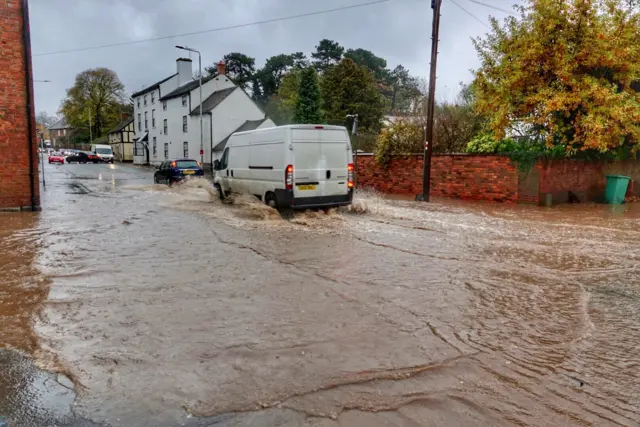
470	14
490	6
213	30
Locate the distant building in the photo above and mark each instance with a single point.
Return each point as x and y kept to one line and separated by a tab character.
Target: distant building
121	139
61	134
167	115
43	132
19	188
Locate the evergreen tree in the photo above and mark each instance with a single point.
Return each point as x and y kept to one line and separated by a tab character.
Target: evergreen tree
308	102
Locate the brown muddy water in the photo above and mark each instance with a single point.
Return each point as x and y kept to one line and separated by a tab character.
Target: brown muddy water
165	306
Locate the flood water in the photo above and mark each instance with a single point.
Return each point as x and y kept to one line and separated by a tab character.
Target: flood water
164	306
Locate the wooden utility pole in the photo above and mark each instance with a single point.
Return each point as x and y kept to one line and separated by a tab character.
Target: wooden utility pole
431	100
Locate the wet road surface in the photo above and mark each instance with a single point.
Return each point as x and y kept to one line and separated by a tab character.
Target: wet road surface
163	306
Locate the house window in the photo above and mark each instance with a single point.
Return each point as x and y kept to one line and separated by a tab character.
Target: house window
164	105
184	100
145	100
155	147
185	128
153	97
166	150
185	149
138	149
139	121
153	119
146	121
165	126
138	102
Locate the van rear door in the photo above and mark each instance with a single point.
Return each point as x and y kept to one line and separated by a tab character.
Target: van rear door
321	157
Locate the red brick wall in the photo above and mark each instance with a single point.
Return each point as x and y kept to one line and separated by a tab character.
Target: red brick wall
461	176
585	179
15	181
496	178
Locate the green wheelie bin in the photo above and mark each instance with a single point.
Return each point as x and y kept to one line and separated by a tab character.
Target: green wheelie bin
616	189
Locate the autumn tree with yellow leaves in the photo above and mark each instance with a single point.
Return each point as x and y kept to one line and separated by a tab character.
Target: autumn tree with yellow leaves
565	70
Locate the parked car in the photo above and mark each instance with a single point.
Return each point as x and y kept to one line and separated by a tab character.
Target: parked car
296	166
171	171
56	158
80	157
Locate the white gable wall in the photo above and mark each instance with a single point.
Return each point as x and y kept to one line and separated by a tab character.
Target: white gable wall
175	112
236	109
217	155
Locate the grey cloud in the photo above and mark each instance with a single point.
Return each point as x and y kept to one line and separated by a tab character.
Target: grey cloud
398	30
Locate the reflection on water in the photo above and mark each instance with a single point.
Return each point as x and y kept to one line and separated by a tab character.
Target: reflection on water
23	287
29	396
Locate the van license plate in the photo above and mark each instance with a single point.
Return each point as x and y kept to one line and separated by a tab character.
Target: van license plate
306	187
189	172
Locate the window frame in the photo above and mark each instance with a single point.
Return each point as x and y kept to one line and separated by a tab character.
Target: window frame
166	150
145	100
184	100
185	124
164	105
153	98
185	149
155	147
153	118
165	126
224	160
146	121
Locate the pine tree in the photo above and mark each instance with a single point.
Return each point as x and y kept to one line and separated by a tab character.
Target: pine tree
308	103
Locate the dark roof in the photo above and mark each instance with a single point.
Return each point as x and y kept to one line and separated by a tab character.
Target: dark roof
123	124
152	87
214	100
186	88
246	126
62	124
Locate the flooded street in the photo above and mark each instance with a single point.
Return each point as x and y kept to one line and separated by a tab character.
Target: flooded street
165	307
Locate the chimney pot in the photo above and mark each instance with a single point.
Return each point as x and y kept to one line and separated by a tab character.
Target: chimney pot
222	68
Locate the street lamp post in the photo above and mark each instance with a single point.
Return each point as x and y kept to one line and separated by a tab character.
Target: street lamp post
44	184
201	100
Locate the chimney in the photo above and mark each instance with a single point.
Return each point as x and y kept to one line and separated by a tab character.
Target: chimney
222	68
185	74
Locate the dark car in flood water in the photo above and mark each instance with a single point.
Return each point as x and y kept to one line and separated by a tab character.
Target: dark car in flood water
171	171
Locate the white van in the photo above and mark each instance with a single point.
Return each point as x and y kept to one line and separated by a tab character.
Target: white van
103	151
295	166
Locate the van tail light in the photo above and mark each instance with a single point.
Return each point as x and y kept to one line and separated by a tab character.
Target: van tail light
288	177
350	171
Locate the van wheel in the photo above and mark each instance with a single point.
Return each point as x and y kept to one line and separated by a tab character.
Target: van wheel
270	200
220	192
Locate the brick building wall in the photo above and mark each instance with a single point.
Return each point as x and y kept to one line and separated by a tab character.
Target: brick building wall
493	178
15	177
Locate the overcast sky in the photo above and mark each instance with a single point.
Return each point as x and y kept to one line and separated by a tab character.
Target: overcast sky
398	30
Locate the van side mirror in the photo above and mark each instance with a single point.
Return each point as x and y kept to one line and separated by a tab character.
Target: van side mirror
216	165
